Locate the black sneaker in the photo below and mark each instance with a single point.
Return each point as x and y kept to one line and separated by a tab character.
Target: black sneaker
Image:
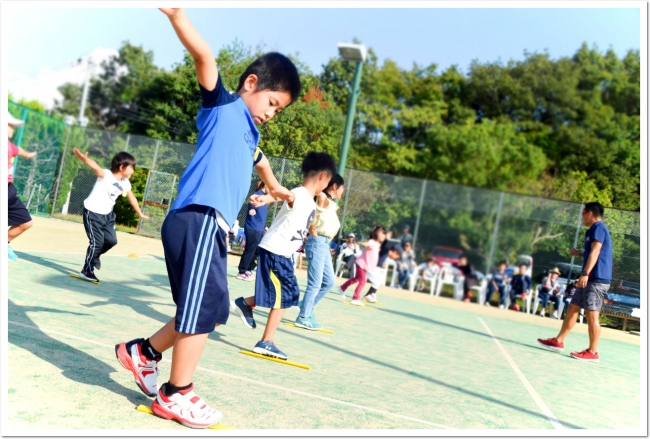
86	275
245	312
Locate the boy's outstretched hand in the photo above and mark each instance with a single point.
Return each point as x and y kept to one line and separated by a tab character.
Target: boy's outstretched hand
80	155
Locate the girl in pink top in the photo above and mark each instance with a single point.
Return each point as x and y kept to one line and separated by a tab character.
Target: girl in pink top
367	261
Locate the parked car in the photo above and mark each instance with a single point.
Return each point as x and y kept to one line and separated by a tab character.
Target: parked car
521	259
446	254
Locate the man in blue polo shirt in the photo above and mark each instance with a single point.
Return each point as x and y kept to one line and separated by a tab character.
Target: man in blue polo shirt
591	286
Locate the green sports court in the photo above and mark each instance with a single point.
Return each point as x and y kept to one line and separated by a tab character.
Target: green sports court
416	363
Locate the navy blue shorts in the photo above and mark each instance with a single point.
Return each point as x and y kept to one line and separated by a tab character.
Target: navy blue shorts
275	284
17	214
195	254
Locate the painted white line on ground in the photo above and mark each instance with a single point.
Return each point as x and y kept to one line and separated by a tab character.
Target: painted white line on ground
538	400
257	383
81	253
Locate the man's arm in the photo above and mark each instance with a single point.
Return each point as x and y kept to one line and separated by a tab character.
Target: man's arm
99	172
204	63
591	263
134	203
24	154
276	190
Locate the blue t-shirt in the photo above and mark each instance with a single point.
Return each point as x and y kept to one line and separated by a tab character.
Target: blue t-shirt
256	222
219	174
498	277
602	271
521	283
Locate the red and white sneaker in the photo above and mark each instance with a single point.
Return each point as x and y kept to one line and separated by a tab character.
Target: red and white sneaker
586	355
145	371
186	408
552	344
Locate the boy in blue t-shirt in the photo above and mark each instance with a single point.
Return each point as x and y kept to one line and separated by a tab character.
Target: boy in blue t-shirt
210	194
254	229
498	283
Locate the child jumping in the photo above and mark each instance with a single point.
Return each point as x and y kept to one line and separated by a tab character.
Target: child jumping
210	194
276	286
98	215
367	261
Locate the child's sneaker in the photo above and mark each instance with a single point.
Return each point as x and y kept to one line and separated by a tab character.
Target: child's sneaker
542	313
12	256
145	371
552	344
357	302
555	314
269	349
586	355
88	275
244	276
371	298
341	292
245	312
250	275
307	323
186	408
502	306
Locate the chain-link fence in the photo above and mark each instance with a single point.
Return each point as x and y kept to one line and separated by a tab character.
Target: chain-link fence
447	219
34	178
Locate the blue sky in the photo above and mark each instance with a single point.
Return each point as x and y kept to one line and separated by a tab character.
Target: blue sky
51	38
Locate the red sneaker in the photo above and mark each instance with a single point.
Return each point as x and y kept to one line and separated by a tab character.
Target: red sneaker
586	355
552	344
523	296
144	371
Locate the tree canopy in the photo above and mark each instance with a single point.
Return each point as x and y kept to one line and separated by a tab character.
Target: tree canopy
566	128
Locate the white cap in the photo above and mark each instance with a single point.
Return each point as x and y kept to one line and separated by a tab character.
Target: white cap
351	235
13	121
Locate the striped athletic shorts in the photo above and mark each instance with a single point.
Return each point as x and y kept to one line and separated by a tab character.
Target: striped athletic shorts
275	284
195	254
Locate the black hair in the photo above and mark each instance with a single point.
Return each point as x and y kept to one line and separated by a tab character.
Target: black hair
259	185
336	180
596	208
274	72
375	232
503	263
315	162
120	159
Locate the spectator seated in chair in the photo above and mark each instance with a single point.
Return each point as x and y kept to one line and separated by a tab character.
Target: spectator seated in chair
520	285
498	283
550	287
406	264
350	251
470	277
568	295
428	272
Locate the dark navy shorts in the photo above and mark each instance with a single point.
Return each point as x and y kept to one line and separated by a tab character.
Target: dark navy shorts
275	284
195	254
17	214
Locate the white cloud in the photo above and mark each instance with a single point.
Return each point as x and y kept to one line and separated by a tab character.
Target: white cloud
43	85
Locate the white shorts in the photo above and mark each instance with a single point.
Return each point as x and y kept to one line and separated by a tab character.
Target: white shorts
376	277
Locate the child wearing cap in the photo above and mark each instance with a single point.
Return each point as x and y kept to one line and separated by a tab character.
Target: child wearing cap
550	286
19	219
351	252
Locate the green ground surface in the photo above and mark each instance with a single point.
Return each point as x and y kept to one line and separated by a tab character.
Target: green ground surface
408	365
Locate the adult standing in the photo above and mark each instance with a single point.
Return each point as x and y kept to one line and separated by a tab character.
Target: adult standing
19	219
254	228
320	272
406	236
593	283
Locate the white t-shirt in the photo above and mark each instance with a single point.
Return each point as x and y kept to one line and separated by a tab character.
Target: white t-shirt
106	190
291	225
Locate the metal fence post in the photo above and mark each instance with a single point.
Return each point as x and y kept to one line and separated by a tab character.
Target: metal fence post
275	209
348	183
126	144
417	221
155	155
575	240
58	179
495	234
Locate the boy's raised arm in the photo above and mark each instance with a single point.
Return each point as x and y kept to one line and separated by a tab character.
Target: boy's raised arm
204	63
99	172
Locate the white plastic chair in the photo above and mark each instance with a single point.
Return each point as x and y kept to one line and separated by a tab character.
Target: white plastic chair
340	263
417	275
449	276
529	298
538	299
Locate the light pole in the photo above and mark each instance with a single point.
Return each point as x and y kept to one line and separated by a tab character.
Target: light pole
357	53
83	121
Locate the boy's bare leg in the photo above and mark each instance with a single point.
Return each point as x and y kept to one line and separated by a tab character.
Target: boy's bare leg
569	322
275	316
165	337
250	301
185	357
16	231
